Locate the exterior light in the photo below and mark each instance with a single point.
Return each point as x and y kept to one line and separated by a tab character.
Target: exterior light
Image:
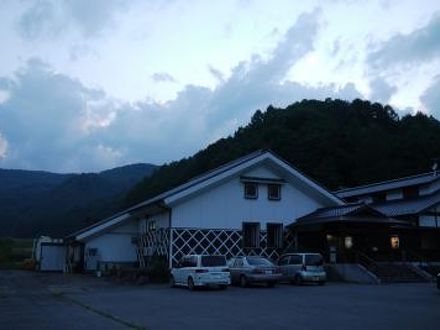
395	242
348	242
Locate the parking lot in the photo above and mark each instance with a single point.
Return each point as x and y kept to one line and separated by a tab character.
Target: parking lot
54	301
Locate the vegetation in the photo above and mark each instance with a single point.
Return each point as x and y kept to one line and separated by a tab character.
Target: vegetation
14	253
34	203
338	143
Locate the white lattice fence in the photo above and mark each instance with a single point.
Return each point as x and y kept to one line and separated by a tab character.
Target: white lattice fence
220	241
204	241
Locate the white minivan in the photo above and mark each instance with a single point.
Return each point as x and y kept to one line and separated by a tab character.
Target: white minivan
195	271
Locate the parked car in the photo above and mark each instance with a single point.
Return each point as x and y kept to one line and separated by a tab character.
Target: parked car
438	281
302	267
249	270
195	271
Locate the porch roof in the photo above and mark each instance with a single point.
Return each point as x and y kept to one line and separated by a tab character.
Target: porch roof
358	213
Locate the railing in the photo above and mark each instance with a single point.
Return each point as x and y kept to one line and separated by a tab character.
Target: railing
366	261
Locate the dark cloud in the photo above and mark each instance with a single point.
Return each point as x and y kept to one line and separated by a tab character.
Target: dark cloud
216	73
51	121
381	91
431	98
418	46
162	77
46	120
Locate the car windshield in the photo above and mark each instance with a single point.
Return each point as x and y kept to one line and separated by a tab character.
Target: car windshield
213	261
254	261
314	260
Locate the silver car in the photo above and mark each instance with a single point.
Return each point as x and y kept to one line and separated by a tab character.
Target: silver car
302	267
248	270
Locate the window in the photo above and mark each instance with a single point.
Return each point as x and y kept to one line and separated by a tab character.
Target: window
410	192
213	261
314	260
296	260
379	197
284	261
190	261
238	262
151	225
395	242
275	235
259	261
250	190
251	234
274	192
348	242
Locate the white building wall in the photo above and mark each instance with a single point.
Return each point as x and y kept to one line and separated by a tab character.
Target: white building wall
113	246
224	206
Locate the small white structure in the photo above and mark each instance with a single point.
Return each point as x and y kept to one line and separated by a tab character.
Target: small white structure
49	254
239	208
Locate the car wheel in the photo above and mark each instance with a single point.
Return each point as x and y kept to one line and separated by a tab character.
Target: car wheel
271	284
298	279
172	281
191	285
243	281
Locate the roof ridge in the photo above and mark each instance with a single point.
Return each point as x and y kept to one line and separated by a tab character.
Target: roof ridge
387	181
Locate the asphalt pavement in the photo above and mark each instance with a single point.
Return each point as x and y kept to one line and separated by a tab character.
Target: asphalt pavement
57	301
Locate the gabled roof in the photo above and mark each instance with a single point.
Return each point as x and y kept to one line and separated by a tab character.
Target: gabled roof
357	213
389	185
411	206
210	178
340	211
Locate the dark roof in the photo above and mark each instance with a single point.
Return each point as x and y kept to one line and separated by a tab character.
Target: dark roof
389	185
408	206
339	211
358	213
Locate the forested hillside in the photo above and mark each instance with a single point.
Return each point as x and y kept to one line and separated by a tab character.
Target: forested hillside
338	143
36	203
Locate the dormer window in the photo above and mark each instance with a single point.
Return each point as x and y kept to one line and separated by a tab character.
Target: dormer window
250	190
274	192
379	197
410	192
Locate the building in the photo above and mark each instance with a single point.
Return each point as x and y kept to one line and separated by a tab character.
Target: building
261	205
415	200
242	207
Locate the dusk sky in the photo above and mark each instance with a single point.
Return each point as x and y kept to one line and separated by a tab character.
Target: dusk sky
89	85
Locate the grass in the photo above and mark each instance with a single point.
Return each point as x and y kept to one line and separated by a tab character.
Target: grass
14	251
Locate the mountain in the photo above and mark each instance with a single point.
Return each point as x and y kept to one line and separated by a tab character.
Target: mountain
36	202
338	143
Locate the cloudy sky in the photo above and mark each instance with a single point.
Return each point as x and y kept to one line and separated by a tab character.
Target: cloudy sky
87	85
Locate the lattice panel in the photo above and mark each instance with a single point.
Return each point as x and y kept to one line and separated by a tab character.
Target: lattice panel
220	241
204	241
152	243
